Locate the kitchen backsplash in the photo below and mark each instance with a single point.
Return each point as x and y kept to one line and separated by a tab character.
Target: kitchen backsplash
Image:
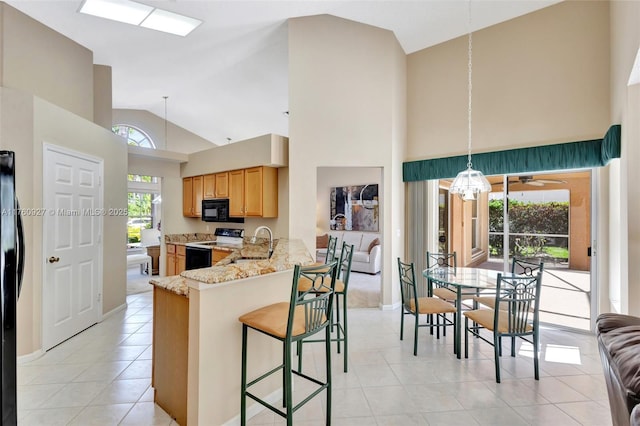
185	238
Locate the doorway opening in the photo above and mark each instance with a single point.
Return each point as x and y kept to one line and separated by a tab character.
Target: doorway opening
143	230
348	207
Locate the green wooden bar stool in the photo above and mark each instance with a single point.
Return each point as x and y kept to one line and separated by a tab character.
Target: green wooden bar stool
306	314
341	287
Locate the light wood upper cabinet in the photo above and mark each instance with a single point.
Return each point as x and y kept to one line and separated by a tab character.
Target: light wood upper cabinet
261	192
222	185
187	196
236	193
209	186
192	196
253	192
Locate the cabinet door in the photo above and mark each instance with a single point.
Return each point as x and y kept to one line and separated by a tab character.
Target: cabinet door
181	264
187	197
236	193
222	185
197	196
218	255
253	191
269	192
209	186
261	192
171	259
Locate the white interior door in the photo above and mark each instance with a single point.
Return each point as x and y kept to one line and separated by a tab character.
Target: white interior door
72	276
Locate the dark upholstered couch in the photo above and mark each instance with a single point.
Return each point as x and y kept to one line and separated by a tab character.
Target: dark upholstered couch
619	345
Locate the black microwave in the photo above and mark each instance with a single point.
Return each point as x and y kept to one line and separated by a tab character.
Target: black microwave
217	210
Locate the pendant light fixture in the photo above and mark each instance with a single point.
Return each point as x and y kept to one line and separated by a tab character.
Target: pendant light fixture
469	183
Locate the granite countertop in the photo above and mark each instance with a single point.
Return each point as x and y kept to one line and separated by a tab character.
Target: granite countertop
287	253
188	238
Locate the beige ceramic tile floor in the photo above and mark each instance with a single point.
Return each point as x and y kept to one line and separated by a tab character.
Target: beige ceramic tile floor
102	377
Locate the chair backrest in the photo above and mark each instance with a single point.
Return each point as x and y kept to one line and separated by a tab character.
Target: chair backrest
331	249
441	260
344	267
149	237
518	297
311	308
408	290
526	267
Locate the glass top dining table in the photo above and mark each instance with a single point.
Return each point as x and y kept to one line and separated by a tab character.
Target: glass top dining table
462	281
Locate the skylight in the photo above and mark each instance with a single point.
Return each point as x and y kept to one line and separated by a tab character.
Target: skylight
134	13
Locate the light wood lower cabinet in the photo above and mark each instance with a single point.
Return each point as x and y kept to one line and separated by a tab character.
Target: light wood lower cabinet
176	259
170	353
218	255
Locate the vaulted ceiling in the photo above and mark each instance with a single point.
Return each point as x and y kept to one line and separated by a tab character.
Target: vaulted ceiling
228	78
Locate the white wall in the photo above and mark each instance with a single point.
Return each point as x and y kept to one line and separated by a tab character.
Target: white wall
26	124
39	60
102	96
346	102
530	86
621	232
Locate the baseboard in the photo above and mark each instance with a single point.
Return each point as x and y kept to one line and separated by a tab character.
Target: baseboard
256	408
391	307
114	311
23	359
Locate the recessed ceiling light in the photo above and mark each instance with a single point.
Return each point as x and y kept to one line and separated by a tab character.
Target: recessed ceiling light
118	10
169	22
134	13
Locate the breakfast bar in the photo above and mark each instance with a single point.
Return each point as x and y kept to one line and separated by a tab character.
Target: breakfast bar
213	298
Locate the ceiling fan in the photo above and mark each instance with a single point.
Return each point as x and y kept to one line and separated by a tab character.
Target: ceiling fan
530	180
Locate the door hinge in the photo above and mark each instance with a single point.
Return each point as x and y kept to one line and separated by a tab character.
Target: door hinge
99	297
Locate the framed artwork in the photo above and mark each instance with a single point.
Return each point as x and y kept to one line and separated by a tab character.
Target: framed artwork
354	208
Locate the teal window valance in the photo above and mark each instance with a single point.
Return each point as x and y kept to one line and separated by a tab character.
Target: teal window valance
571	155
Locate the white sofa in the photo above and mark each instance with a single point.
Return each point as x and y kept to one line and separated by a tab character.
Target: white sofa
363	260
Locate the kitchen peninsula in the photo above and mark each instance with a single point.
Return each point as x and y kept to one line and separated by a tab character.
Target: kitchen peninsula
210	300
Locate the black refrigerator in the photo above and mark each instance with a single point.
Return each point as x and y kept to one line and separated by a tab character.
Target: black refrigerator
11	268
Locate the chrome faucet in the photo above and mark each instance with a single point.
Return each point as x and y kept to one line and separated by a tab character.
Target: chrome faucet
255	234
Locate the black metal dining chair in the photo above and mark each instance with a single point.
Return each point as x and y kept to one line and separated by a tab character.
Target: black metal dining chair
516	315
518	266
414	305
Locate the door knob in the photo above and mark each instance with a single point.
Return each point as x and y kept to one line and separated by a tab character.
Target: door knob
53	259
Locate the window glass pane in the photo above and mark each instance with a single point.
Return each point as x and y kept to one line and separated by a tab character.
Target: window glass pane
135	137
140	215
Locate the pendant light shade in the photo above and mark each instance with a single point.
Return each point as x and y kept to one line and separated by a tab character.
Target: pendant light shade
469	183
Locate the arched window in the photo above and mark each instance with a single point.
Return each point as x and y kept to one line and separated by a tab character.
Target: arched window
135	136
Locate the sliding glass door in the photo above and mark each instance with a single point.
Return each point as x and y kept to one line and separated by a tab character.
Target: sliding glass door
547	218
